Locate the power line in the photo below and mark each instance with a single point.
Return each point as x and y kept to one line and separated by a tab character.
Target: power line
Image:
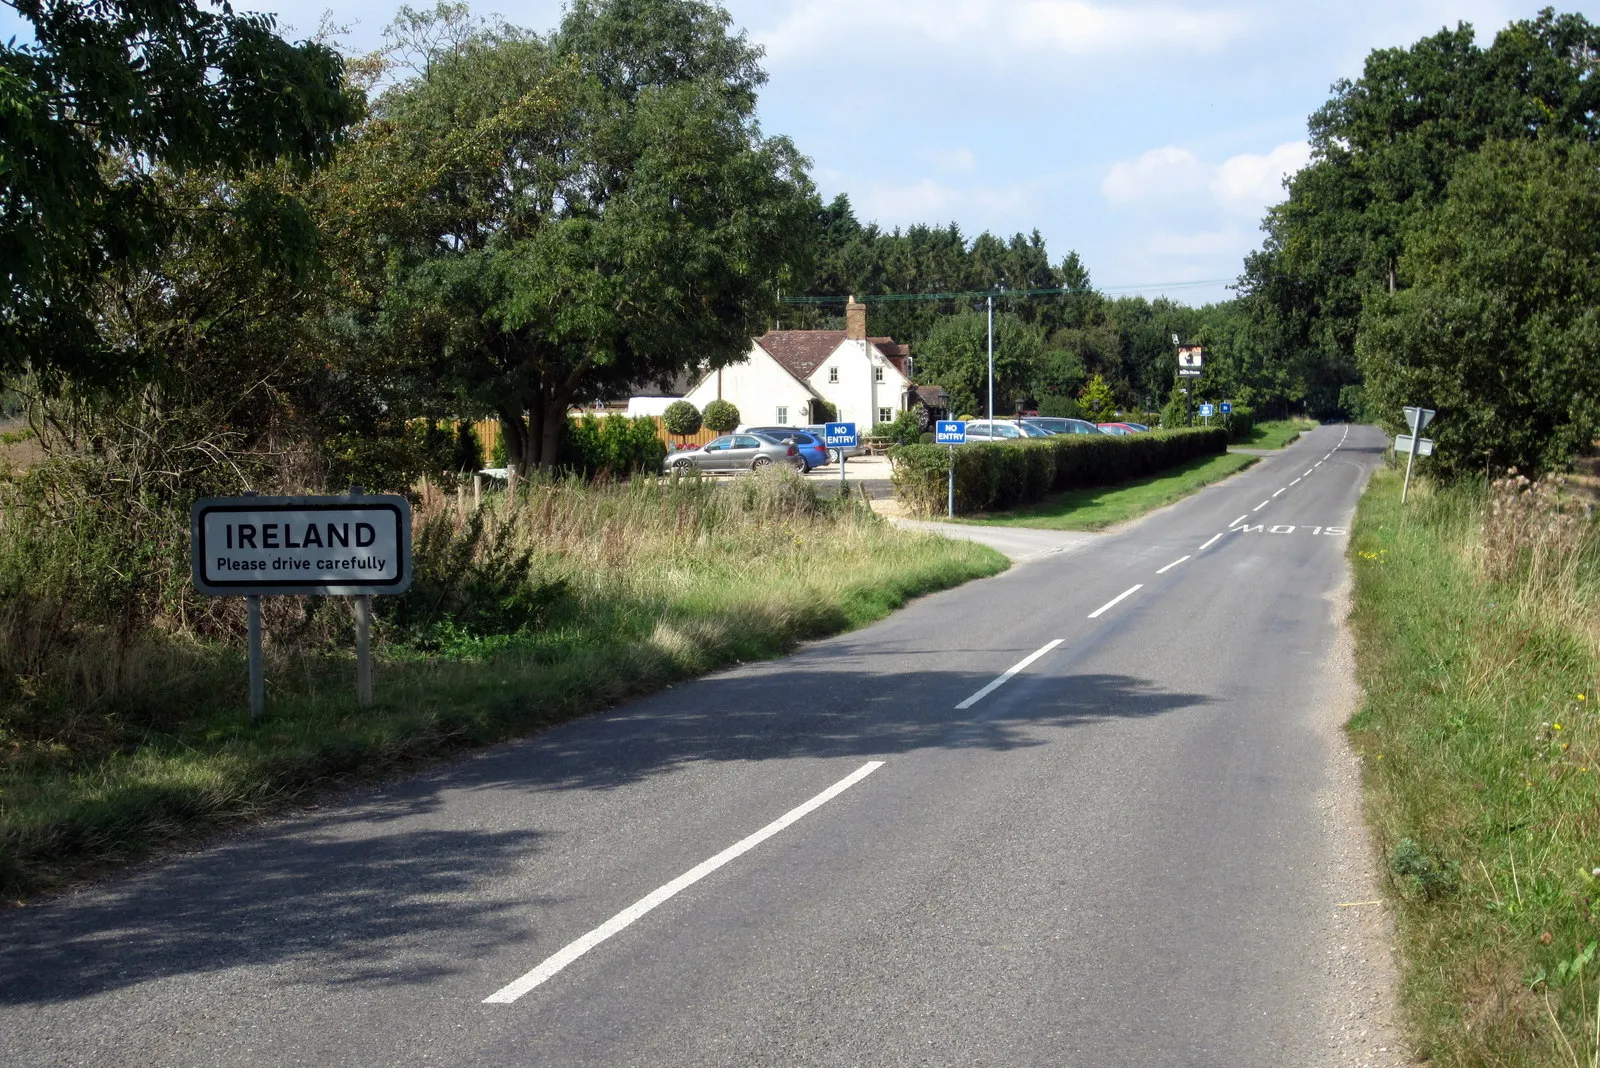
981	294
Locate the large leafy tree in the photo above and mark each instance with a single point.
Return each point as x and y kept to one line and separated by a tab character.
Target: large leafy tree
1383	150
583	212
956	357
1500	329
106	98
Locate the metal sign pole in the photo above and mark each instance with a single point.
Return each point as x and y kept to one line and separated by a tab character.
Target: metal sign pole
258	696
952	482
364	649
1411	458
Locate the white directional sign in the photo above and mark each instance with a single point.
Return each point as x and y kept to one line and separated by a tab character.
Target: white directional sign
310	545
1402	443
1418	419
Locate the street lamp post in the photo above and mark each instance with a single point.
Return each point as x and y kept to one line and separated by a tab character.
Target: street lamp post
991	357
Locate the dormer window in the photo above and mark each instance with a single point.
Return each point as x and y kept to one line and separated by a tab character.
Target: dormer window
833	375
877	373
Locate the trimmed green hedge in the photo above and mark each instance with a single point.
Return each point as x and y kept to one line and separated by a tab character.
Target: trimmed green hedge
1240	422
1004	474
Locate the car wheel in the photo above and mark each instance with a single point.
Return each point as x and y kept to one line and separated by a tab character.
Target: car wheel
683	466
833	455
759	462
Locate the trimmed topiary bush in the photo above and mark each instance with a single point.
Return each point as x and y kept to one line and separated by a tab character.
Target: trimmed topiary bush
721	417
681	419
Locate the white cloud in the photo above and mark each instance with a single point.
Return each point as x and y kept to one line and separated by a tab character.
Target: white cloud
935	203
1245	184
955	159
1249	183
1161	172
1068	27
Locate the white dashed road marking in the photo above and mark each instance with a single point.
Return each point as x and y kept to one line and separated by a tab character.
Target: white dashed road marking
1172	565
1111	603
1003	679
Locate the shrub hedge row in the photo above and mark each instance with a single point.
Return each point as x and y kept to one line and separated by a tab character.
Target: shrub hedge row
1005	474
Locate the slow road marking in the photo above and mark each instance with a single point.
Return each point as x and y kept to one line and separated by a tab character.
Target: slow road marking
1112	603
573	950
1003	679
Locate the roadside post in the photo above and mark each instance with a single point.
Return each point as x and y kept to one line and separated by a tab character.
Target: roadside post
840	436
951	432
335	546
1414	444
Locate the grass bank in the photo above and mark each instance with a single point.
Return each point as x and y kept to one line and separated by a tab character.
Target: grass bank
1275	434
1475	614
1101	507
567	600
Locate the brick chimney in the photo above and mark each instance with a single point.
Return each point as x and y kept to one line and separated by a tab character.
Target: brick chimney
855	320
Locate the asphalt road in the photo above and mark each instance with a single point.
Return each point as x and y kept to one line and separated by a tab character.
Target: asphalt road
1119	856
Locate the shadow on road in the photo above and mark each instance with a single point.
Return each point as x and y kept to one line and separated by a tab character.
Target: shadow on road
366	893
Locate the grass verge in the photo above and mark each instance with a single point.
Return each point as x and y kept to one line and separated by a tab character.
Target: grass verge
651	585
1480	741
1275	433
1105	506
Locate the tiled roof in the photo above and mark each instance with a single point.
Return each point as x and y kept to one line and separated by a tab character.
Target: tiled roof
800	351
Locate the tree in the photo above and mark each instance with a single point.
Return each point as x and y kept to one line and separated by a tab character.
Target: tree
1099	404
721	416
595	210
681	419
956	357
1500	329
107	97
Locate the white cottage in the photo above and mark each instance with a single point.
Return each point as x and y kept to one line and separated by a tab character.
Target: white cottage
788	371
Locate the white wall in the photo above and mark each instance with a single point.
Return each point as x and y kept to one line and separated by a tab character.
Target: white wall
757	387
856	395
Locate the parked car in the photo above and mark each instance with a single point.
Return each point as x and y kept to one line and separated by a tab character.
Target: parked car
812	450
1003	429
1058	425
735	452
1122	429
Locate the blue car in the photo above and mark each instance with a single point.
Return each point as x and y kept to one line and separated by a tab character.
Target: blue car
812	450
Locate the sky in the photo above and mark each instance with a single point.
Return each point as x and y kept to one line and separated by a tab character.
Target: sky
1148	137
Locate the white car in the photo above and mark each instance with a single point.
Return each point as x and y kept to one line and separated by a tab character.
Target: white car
1002	430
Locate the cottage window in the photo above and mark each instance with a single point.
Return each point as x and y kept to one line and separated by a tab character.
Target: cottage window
833	374
877	373
783	415
885	415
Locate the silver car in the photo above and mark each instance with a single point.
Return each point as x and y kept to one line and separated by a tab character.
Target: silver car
1002	429
1059	425
735	452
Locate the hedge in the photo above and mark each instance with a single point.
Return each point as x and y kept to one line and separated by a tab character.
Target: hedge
1004	474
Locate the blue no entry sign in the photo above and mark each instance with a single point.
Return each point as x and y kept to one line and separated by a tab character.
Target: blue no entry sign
1206	411
1227	407
839	435
950	432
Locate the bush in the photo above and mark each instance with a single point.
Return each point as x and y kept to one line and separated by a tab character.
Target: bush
996	475
469	449
617	446
1060	408
906	429
681	419
1240	422
721	417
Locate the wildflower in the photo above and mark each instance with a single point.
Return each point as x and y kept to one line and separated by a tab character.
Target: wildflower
1558	726
1582	698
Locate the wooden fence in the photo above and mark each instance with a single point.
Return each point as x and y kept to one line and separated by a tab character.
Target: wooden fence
488	431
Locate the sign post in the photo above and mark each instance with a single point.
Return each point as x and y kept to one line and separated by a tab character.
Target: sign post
1206	411
840	436
1416	419
349	546
951	432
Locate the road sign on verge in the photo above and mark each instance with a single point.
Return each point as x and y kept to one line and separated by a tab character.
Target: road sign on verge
839	435
1206	411
1402	443
950	432
1418	418
351	546
1227	407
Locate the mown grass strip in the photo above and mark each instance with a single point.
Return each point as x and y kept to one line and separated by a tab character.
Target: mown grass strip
184	760
1480	739
1101	507
1275	433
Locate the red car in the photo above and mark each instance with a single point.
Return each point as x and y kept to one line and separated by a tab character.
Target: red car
1122	428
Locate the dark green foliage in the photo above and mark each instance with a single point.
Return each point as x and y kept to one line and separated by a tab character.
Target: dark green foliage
1060	407
1240	422
906	429
105	96
682	419
721	417
469	449
616	446
1421	874
996	475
